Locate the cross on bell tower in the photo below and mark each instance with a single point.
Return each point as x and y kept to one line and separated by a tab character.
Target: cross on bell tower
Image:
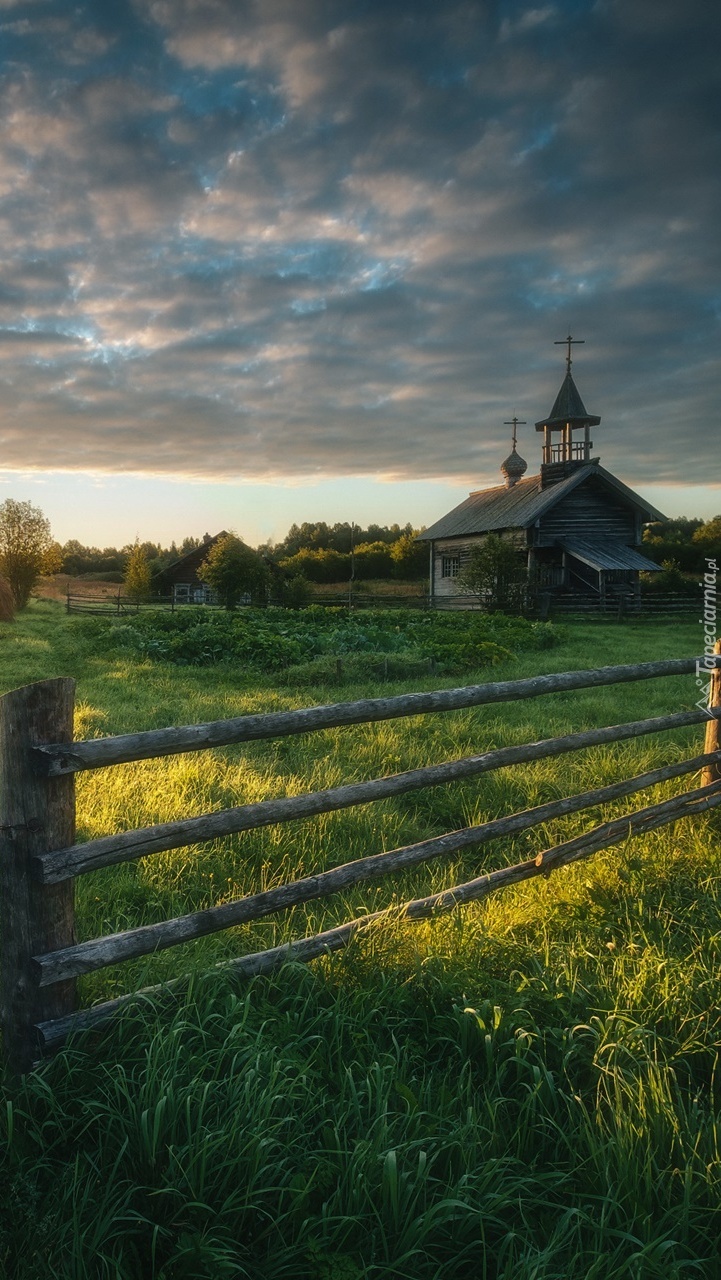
560	342
561	453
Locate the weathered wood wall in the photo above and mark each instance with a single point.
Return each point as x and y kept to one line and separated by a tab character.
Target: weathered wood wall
589	511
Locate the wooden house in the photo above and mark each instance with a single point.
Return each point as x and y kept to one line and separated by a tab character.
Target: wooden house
576	525
181	579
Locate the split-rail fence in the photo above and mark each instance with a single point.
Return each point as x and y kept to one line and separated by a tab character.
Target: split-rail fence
40	959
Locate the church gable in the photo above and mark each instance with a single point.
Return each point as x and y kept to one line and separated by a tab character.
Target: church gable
591	509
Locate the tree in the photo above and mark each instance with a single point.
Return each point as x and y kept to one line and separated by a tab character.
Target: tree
137	573
7	603
295	592
410	558
233	570
495	572
681	530
27	550
708	535
318	566
373	560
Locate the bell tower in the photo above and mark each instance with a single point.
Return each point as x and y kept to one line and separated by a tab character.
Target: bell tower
562	453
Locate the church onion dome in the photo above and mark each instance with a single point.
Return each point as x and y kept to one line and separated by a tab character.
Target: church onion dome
513	467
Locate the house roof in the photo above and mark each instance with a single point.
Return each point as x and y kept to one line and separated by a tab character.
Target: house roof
568	407
522	504
606	553
192	559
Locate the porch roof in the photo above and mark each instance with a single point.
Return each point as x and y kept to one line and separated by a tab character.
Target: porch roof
605	553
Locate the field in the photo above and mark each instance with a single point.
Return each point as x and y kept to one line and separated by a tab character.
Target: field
58	585
519	1091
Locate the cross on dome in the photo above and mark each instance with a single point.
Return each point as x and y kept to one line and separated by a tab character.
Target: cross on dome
515	422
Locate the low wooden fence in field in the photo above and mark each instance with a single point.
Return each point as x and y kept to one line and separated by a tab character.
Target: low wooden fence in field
40	959
548	604
587	606
650	604
117	605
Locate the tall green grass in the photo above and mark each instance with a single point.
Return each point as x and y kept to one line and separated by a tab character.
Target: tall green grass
524	1089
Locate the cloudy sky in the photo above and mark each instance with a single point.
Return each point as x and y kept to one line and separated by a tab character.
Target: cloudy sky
299	259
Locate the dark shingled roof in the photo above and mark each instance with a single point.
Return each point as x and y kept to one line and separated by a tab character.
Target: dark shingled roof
186	565
568	407
521	505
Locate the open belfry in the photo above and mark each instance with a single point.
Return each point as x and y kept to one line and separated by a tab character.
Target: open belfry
576	524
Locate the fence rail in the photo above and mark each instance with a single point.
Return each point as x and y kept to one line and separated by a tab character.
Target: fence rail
97	753
40	960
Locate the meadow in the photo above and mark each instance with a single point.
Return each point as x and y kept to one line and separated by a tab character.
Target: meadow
523	1089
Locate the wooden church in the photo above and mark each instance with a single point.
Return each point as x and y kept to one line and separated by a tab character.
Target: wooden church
578	526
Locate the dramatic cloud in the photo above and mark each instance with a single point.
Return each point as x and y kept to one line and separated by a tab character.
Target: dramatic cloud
294	238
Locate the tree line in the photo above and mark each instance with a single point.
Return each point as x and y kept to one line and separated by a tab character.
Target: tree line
111	563
683	544
319	551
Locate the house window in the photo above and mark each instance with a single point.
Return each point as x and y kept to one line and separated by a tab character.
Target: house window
450	566
193	593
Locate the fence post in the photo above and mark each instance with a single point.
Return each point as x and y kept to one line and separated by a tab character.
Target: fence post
712	772
37	814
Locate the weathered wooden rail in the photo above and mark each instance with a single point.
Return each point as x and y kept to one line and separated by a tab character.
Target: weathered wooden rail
40	959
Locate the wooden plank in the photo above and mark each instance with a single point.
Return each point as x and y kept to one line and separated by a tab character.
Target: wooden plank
126	846
98	753
713	727
54	1033
35	814
98	953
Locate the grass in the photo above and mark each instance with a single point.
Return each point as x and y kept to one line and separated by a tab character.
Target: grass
391	587
522	1089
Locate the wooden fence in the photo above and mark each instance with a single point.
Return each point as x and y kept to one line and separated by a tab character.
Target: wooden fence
117	604
40	959
548	604
587	605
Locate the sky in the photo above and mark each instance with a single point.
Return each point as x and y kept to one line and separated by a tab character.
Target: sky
303	259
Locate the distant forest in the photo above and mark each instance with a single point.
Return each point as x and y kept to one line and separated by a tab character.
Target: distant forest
328	553
319	551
